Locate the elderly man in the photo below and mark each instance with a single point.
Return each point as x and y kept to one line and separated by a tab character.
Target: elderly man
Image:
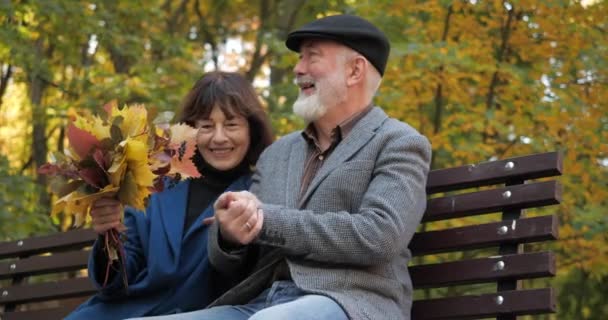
324	232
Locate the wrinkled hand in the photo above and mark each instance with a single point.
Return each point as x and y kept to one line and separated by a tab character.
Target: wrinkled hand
239	217
106	214
227	199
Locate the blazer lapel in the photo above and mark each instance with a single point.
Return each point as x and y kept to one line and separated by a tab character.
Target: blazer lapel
173	207
296	162
363	131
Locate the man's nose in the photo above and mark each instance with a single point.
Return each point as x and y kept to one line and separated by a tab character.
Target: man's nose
299	69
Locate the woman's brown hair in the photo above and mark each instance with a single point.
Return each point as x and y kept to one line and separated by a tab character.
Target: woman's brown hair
233	94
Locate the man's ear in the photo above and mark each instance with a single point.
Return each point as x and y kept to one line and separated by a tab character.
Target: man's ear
356	71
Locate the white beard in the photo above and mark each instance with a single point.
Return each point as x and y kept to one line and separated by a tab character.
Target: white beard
329	92
309	107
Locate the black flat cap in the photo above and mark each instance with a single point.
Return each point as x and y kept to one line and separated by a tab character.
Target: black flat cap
352	31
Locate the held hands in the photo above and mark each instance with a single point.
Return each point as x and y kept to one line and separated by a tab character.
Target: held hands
239	217
106	214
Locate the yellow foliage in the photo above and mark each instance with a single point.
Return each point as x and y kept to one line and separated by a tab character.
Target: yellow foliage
485	82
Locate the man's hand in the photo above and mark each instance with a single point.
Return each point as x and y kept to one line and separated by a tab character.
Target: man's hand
106	214
239	217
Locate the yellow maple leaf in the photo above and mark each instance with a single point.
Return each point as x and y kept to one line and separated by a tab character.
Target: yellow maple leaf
69	205
117	170
136	155
79	204
134	123
130	193
94	125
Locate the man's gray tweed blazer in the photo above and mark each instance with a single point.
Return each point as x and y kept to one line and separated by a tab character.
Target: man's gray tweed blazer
347	238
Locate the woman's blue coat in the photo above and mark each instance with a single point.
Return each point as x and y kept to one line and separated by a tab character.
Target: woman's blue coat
168	271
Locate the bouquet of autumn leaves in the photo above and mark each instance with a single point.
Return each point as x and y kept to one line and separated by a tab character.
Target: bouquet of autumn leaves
122	155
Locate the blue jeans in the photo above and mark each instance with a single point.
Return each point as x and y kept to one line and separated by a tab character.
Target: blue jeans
283	300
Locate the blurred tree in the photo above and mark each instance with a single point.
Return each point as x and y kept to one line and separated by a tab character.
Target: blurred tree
20	215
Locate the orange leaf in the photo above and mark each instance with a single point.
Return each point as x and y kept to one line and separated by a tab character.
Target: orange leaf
183	141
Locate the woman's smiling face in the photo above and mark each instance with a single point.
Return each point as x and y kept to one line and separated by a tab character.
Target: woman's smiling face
223	140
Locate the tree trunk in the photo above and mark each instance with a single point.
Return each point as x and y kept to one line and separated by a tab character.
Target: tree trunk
285	22
37	86
121	62
5	76
439	90
39	147
209	36
505	33
258	59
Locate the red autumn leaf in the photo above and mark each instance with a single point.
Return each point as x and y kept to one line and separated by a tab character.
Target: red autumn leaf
103	160
80	140
49	169
93	177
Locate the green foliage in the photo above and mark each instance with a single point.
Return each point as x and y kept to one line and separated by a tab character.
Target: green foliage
585	298
19	215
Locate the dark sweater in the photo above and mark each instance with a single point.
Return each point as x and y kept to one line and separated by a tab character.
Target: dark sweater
206	189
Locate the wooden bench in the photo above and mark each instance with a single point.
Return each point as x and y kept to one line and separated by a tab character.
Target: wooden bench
487	256
460	270
43	277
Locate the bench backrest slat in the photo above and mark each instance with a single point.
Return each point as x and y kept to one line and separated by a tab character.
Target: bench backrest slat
519	196
485	235
534	166
532	301
471	271
59	241
59	262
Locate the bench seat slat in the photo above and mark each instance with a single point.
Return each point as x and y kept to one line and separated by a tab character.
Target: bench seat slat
519	302
63	240
515	266
485	235
495	172
54	313
27	293
475	203
47	313
59	262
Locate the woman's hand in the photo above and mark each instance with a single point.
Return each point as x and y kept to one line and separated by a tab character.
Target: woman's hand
106	214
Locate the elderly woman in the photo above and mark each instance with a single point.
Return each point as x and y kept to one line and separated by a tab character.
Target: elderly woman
166	248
